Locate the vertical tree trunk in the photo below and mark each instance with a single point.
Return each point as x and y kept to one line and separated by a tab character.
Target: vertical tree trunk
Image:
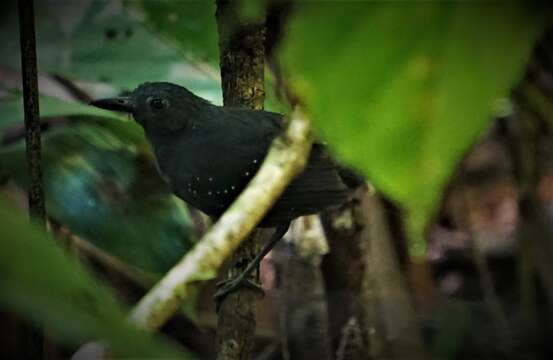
392	310
31	338
370	307
242	55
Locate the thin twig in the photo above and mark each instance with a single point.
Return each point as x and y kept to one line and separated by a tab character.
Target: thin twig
32	338
32	118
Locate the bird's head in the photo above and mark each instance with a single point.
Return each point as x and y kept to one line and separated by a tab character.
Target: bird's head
158	106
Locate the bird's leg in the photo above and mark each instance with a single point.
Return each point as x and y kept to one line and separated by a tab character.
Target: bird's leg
230	285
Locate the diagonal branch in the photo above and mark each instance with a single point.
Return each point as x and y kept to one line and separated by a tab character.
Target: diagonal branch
287	156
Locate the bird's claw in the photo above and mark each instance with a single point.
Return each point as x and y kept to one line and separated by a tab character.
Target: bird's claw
228	286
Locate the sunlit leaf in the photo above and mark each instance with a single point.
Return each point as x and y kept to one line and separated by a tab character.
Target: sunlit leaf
401	90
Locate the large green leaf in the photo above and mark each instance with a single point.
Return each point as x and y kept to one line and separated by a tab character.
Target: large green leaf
38	280
401	89
11	113
111	196
101	182
107	190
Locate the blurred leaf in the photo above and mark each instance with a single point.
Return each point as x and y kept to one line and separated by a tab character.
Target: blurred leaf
272	100
11	109
108	191
39	281
452	321
191	24
100	41
401	90
11	114
252	10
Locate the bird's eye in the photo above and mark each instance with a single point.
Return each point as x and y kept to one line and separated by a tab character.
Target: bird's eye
158	104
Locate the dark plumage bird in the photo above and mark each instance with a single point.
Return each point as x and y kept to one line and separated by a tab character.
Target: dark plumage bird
208	154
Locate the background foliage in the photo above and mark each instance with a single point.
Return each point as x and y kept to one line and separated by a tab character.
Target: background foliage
399	90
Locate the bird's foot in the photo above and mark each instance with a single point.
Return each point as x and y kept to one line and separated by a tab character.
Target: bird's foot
229	286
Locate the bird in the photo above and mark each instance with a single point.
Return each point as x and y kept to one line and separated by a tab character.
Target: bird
207	154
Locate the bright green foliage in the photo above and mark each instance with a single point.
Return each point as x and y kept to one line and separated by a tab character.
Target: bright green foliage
108	191
401	90
39	280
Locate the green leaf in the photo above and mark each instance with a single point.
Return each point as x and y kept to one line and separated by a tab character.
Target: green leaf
108	191
101	41
190	24
40	282
11	109
401	90
452	321
11	117
252	10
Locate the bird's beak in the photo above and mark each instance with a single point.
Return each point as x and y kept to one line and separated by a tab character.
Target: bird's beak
122	103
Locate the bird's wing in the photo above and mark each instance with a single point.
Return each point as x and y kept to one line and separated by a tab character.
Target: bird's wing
318	187
322	184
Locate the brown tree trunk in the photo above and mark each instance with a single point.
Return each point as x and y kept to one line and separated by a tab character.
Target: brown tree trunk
370	305
392	317
242	60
